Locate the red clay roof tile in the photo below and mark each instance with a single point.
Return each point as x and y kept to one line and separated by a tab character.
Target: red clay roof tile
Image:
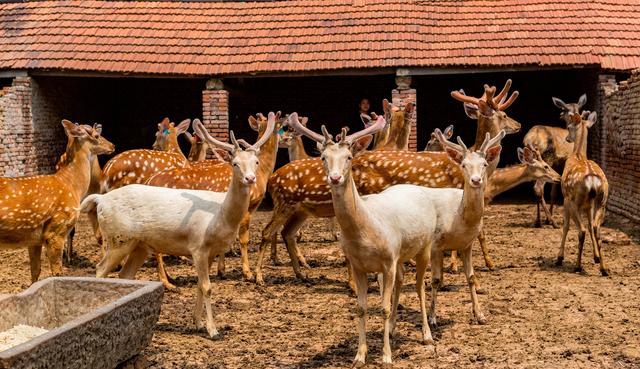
214	38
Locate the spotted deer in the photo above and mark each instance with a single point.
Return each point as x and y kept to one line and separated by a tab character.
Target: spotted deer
41	210
199	149
382	231
202	224
298	192
433	144
136	166
555	149
585	189
216	177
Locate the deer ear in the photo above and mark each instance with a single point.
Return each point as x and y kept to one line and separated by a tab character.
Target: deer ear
593	117
529	155
582	101
361	144
448	132
71	129
253	123
304	121
365	119
559	103
521	155
493	153
455	155
471	111
386	106
183	126
319	146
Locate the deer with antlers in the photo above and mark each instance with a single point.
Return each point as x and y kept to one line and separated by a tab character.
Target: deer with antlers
555	149
216	177
585	189
42	210
298	197
203	224
434	144
382	231
396	136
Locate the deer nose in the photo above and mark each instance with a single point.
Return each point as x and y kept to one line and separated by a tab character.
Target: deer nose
476	181
250	178
335	178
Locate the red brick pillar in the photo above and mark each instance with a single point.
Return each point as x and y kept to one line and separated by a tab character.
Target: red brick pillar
17	156
215	109
402	95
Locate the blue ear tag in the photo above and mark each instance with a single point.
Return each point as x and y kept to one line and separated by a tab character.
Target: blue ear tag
165	132
281	131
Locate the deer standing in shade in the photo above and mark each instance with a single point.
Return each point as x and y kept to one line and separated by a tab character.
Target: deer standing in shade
585	189
555	149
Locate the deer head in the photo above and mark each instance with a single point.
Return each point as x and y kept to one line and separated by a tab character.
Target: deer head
578	122
287	138
167	134
569	109
434	143
336	156
538	168
473	163
244	161
86	137
491	106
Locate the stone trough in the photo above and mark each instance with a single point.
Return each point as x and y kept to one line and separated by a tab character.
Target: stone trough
91	322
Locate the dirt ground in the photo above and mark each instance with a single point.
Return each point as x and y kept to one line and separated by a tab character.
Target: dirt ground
539	315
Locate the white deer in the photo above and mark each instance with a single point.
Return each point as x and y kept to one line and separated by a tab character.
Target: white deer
137	219
381	232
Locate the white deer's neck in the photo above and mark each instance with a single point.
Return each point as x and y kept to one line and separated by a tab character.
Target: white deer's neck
236	203
472	205
349	209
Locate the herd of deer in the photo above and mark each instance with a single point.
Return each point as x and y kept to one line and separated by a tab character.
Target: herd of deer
392	205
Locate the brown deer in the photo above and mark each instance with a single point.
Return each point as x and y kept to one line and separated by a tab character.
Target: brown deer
216	177
297	197
397	136
434	144
199	149
552	144
42	210
585	189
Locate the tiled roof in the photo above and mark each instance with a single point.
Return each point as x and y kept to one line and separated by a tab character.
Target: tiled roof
233	37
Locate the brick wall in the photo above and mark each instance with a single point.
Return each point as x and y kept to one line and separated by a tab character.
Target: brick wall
215	113
401	96
620	155
16	130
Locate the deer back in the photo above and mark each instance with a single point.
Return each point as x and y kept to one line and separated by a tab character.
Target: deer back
137	166
551	143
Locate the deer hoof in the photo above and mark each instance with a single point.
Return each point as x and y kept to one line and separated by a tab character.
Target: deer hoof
358	363
605	272
559	260
578	269
481	319
596	259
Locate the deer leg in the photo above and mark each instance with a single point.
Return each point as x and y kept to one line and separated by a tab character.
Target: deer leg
35	252
547	213
554	196
201	263
351	282
581	237
467	261
397	288
482	239
436	280
389	277
333	226
455	267
361	291
422	260
538	189
603	269
289	235
243	235
68	249
274	249
134	262
565	229
114	255
162	273
54	245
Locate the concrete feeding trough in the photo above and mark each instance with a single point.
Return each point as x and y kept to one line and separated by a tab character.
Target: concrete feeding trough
91	322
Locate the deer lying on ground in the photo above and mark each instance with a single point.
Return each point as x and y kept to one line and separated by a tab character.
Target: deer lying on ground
42	210
202	224
552	144
382	231
585	189
297	197
217	176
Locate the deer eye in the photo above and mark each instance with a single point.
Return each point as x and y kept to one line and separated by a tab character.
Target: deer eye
324	159
235	165
350	158
486	165
464	166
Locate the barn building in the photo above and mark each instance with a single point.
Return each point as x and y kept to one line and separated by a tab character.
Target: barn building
128	64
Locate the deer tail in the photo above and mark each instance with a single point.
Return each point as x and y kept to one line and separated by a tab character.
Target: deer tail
594	186
89	203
